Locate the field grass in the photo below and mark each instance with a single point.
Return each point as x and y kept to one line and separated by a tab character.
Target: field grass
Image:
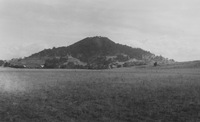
162	94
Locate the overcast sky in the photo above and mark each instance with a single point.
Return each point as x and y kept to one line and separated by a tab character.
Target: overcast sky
170	28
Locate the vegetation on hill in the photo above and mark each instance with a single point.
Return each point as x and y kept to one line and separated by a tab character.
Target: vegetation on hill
91	47
91	52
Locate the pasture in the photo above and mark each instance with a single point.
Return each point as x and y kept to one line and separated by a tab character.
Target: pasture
162	94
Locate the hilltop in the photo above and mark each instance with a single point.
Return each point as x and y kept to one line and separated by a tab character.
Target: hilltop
92	52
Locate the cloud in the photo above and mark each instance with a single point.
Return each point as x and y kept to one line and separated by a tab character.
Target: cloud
21	50
168	27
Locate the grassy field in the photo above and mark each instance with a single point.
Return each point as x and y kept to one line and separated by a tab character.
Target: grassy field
162	94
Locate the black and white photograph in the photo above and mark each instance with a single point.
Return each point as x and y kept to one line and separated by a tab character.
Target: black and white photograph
99	61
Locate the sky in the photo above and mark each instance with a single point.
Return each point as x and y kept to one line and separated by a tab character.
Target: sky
170	28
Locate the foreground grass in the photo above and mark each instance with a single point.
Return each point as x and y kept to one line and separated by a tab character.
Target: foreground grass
121	95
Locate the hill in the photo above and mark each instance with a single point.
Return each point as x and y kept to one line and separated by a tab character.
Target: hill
91	52
91	47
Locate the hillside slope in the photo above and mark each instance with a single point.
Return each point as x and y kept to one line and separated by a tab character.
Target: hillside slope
91	52
91	47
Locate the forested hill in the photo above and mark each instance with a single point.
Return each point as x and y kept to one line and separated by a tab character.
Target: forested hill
91	47
91	53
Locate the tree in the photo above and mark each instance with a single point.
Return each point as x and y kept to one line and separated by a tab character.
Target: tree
51	63
1	62
155	64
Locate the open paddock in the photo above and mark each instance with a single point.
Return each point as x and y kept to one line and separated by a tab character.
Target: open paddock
115	95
